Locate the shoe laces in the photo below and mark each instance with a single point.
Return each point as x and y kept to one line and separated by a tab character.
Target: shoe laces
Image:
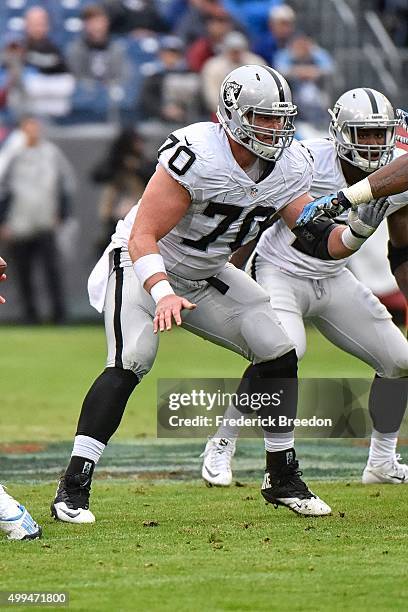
291	475
75	490
221	454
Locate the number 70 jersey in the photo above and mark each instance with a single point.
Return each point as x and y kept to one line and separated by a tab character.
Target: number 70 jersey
226	204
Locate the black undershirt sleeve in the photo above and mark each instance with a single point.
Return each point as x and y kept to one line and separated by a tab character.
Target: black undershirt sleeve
312	239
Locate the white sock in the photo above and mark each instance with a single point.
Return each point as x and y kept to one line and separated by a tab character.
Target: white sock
226	430
382	448
8	506
275	442
88	448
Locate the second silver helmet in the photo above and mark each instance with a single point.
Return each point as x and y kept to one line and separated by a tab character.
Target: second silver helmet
363	108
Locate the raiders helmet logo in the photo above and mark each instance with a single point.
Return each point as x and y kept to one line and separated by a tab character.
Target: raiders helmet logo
231	93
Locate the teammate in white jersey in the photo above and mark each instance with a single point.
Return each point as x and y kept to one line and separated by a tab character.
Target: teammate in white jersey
303	287
212	186
15	520
388	180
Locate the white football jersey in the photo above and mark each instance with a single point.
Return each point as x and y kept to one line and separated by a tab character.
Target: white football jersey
226	204
276	243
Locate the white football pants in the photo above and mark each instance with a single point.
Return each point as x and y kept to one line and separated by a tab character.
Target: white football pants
344	310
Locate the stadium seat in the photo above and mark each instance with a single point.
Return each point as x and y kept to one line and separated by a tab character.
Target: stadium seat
64	16
70	23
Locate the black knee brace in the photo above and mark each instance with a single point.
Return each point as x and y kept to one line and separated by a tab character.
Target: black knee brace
387	403
105	404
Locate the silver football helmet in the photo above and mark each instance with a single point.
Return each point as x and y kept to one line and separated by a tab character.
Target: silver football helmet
249	92
363	108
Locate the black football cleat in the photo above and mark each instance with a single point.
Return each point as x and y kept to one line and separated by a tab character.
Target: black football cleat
71	503
283	486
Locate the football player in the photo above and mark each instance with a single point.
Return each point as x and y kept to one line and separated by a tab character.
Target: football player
212	186
388	180
15	520
319	289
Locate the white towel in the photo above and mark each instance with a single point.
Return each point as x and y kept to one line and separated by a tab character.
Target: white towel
98	279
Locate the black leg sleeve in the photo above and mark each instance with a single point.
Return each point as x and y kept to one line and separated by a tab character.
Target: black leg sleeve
387	403
278	377
105	404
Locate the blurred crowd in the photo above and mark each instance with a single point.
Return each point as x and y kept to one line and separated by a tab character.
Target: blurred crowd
394	16
132	60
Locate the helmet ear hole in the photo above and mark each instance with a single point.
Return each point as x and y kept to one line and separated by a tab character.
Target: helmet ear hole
228	113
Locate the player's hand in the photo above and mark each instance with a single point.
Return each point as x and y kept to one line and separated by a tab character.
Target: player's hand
331	205
2	299
169	308
365	219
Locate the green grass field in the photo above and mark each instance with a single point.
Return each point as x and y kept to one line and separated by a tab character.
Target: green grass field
162	540
217	550
45	374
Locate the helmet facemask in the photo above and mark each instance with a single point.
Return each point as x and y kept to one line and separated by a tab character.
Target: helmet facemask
267	142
